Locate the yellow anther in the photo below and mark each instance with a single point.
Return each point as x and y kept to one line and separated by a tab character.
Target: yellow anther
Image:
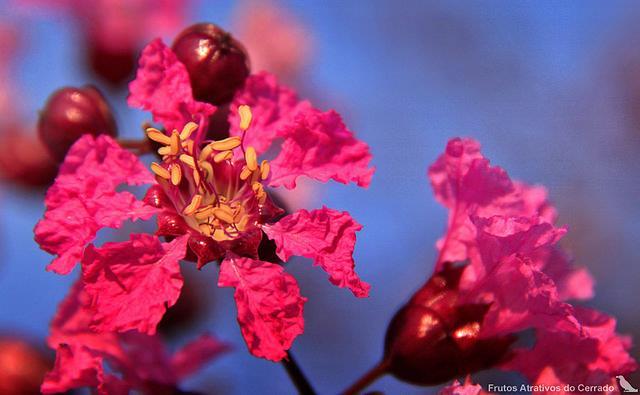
188	146
251	158
188	160
160	171
164	151
194	205
222	156
205	228
157	136
245	116
204	213
206	151
223	213
245	173
265	168
175	142
187	130
196	176
227	144
176	174
219	235
206	166
257	189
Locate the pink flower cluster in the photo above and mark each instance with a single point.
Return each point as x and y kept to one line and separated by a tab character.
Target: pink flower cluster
504	231
212	202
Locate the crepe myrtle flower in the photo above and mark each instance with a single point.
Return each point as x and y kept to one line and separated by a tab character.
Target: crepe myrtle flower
136	361
498	273
212	202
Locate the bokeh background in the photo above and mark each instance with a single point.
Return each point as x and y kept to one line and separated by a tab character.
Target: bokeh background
551	89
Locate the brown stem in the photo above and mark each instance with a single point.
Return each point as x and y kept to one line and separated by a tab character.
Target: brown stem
297	375
140	147
368	378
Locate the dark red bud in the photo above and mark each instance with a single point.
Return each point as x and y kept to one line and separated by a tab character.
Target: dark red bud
433	339
22	366
70	113
217	63
28	162
113	66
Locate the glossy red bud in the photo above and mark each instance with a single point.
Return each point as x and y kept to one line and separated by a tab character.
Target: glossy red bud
71	112
22	366
434	339
114	67
28	163
217	63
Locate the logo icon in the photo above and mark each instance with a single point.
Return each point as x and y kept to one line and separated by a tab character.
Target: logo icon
625	385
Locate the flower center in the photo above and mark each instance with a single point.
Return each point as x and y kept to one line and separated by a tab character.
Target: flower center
216	185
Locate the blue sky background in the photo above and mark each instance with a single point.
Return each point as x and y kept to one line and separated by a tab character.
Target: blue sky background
544	86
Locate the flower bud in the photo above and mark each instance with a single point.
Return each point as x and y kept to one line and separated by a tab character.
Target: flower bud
70	113
113	66
22	366
434	339
217	64
28	162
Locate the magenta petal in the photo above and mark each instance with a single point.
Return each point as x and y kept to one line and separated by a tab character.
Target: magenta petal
75	366
269	305
318	145
274	108
162	86
328	237
83	199
132	283
191	357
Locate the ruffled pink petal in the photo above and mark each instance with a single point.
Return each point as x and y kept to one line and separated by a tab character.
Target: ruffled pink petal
190	358
269	305
592	357
162	86
328	237
137	358
274	108
83	199
131	284
318	145
76	366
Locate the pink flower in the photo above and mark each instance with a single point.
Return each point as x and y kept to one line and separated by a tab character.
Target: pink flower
467	388
212	199
499	272
136	361
276	39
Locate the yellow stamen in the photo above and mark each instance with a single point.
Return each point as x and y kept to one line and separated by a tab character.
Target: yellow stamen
222	156
160	171
164	151
176	174
251	158
188	146
206	151
206	166
265	168
187	130
223	213
196	176
245	116
204	213
157	136
205	228
227	144
219	235
175	142
245	173
188	160
194	205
